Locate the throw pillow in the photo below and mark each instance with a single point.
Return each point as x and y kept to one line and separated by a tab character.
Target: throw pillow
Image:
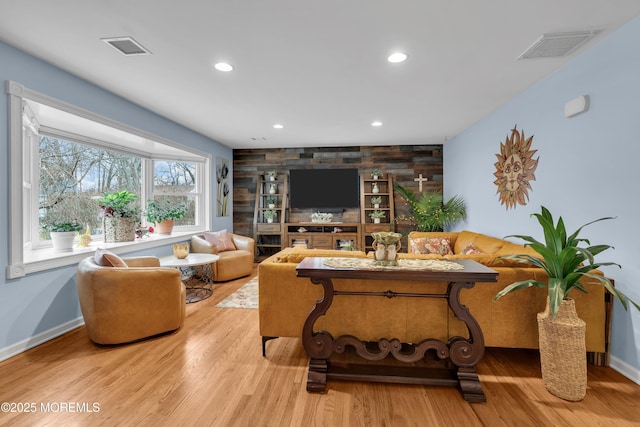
107	258
220	239
470	249
431	245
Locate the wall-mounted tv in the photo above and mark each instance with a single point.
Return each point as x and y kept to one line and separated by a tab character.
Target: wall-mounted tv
330	189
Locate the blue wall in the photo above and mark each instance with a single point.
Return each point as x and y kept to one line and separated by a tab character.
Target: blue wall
44	301
587	167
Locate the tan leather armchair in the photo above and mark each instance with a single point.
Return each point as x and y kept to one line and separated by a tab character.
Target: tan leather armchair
121	305
232	264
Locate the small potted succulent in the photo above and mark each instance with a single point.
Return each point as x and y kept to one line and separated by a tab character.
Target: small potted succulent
375	201
270	214
63	234
271	202
376	173
376	216
163	214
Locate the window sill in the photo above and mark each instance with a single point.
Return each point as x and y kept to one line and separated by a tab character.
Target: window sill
46	259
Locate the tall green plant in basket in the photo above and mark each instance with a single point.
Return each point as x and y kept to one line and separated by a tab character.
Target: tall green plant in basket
566	259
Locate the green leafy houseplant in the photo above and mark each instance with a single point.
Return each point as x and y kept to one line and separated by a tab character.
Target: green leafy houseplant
376	200
377	214
119	204
157	211
376	173
270	213
430	212
564	261
62	226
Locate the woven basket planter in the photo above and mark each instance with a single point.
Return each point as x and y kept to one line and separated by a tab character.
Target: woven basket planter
563	353
119	230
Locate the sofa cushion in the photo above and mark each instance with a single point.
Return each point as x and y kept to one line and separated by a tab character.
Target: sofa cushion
470	249
430	245
221	239
296	255
105	258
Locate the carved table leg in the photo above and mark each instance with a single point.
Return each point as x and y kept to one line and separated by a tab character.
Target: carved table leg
317	377
318	345
470	385
465	354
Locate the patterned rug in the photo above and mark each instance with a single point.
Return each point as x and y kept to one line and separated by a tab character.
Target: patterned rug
245	297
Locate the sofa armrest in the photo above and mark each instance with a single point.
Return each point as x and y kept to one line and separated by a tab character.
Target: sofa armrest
200	245
243	243
143	261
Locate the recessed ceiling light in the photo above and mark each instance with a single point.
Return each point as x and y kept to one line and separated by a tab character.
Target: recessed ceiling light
223	66
278	126
376	123
397	57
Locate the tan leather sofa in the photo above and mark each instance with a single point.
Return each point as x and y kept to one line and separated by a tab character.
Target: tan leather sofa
121	305
285	300
232	264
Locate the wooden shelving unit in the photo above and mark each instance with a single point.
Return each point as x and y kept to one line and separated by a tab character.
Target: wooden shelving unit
370	188
269	236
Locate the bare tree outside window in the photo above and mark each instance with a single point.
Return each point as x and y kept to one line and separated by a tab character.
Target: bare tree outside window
73	175
175	182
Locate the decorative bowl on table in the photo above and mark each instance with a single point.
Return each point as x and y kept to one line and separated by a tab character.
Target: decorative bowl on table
321	217
181	250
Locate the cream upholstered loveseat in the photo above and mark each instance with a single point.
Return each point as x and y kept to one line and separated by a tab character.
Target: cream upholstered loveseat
285	300
234	262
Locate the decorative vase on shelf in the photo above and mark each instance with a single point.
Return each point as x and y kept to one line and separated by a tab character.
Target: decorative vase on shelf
376	220
272	189
376	205
272	205
375	188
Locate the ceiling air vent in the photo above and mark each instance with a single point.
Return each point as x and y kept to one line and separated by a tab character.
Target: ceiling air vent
557	44
127	46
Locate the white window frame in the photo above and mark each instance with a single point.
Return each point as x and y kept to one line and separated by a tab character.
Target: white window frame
23	258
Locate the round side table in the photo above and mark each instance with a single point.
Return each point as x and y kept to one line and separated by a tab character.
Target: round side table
198	283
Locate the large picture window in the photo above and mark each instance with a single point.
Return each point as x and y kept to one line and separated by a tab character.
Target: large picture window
68	158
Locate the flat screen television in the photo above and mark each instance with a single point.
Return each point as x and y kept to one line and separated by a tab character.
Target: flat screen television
330	189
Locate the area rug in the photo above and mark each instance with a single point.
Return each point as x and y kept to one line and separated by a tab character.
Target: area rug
245	297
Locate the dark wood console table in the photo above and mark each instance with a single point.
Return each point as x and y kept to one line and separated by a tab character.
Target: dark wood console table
463	354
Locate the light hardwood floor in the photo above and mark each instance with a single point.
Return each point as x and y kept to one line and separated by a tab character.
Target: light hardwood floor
211	373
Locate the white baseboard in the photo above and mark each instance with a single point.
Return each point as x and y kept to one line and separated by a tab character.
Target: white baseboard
42	337
625	369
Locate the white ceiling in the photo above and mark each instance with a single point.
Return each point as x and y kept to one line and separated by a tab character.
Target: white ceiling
317	67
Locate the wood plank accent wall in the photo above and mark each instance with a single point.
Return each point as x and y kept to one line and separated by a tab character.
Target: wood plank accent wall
404	162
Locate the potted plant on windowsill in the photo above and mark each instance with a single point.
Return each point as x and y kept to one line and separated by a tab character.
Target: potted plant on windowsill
561	332
120	216
376	216
63	234
269	215
164	214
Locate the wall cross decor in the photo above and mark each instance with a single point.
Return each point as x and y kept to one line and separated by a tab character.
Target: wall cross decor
420	180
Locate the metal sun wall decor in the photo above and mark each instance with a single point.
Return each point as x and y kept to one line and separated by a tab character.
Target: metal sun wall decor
222	176
515	169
